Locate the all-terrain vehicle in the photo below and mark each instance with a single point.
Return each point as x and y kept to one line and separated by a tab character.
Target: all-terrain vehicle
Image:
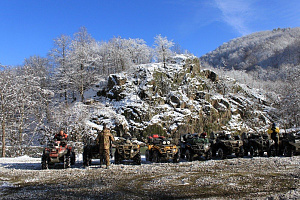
161	149
193	145
127	149
224	145
257	144
289	144
90	151
58	152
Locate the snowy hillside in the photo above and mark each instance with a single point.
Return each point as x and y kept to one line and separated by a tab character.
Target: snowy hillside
268	53
173	100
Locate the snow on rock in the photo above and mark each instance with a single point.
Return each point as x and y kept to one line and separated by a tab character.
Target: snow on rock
175	96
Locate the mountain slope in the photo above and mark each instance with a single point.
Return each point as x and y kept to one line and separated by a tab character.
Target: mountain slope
263	52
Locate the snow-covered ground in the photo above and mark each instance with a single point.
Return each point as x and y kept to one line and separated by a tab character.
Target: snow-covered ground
259	178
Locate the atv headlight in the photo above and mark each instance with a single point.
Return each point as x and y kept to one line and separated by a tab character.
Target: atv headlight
164	142
132	151
168	142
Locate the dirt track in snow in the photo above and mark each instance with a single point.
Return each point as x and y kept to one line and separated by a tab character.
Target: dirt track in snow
259	178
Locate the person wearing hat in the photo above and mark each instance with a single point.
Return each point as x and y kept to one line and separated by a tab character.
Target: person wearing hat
104	140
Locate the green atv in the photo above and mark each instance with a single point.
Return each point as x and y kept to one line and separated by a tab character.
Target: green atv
192	146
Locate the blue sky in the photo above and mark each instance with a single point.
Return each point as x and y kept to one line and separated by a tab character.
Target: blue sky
28	27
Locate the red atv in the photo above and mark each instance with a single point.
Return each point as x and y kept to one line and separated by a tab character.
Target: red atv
58	152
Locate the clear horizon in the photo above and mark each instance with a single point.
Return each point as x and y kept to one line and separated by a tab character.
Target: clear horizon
200	26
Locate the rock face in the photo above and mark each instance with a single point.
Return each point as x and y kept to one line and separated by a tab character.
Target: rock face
180	98
211	75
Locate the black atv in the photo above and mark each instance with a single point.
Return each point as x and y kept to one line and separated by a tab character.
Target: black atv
58	152
289	144
192	146
256	144
127	149
90	151
224	145
161	149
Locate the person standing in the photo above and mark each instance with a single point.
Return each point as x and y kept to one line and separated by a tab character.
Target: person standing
104	139
274	133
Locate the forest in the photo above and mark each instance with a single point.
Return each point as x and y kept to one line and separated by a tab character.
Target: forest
37	97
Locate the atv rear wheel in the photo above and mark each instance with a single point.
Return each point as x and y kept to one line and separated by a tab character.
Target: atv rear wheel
253	151
73	158
220	153
147	155
287	152
272	151
188	155
117	158
208	155
261	153
137	159
67	163
240	153
85	158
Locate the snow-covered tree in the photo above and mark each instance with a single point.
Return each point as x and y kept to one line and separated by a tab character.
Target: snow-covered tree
162	48
7	95
32	97
82	63
290	98
59	57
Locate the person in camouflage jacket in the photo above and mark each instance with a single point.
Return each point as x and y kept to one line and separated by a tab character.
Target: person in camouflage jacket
104	140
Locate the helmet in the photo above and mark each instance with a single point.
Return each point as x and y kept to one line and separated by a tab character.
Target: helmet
274	125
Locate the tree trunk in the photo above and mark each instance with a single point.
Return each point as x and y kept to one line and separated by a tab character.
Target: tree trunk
3	139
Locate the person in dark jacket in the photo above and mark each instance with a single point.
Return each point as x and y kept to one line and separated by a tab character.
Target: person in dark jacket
61	136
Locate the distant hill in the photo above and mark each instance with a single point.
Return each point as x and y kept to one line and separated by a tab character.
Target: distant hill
266	54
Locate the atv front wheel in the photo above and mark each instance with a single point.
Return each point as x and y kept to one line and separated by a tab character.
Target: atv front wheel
155	157
176	157
45	163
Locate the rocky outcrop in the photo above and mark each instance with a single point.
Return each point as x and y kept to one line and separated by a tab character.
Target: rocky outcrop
178	100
